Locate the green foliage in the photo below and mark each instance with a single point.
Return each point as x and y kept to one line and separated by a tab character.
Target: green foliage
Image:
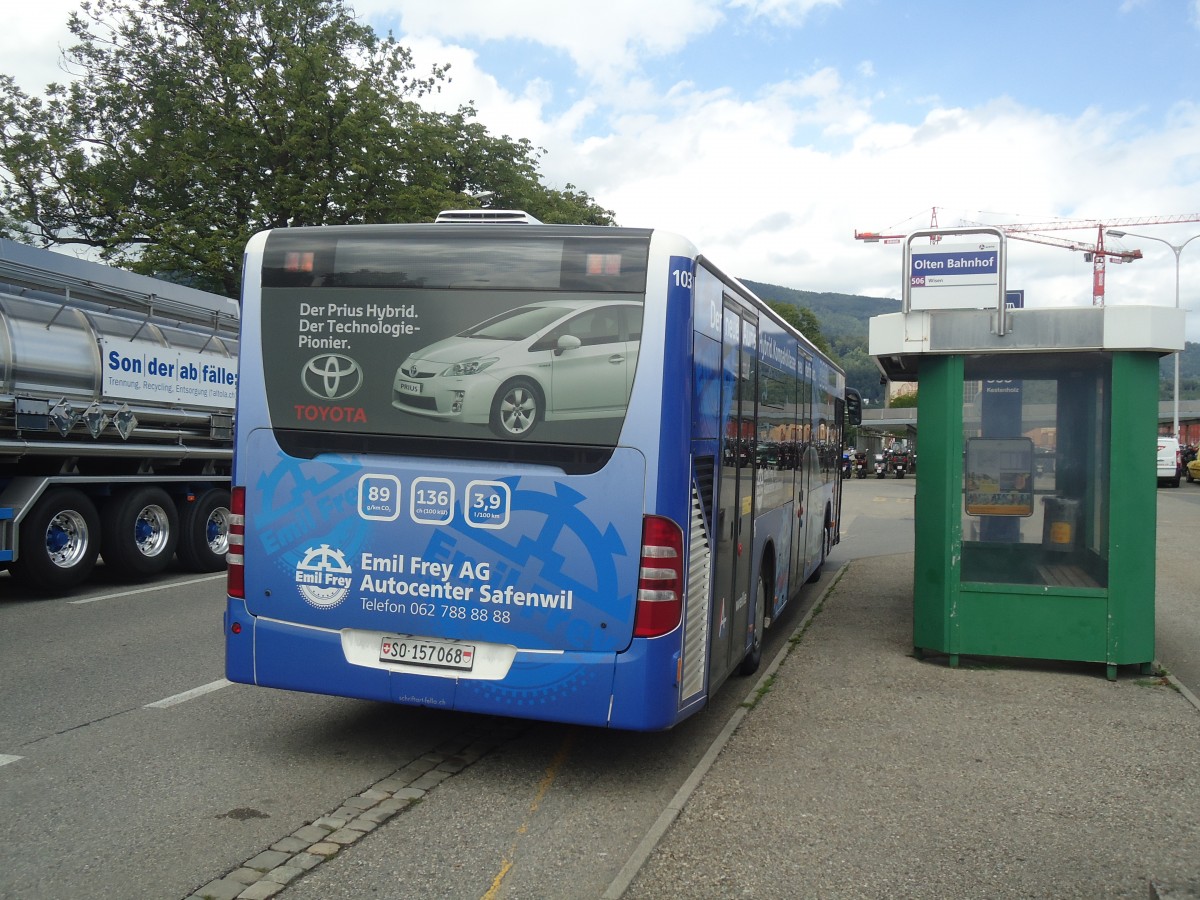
1189	374
802	319
195	123
843	326
904	401
843	321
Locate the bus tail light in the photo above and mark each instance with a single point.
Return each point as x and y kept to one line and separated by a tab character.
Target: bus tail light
660	579
235	560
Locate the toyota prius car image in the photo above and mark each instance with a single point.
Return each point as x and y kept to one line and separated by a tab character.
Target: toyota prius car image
552	361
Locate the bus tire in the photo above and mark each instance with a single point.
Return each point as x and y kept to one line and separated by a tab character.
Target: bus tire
517	408
204	531
826	543
141	529
753	657
60	540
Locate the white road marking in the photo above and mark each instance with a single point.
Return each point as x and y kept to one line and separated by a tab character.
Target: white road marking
189	695
5	759
147	590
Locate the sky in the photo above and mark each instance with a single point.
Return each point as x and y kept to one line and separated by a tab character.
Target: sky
769	131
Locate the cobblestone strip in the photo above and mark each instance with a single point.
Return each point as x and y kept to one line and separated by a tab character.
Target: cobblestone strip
270	871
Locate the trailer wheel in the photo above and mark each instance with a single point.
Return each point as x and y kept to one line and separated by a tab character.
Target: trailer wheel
141	528
204	531
60	539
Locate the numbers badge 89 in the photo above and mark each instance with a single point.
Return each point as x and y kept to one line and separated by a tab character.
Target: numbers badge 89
379	497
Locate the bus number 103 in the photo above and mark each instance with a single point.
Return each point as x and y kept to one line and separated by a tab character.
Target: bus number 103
683	278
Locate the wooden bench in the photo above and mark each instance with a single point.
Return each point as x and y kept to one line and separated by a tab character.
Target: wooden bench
1066	576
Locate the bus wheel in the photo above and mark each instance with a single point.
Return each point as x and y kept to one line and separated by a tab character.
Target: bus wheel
60	539
826	543
204	532
141	528
516	409
753	658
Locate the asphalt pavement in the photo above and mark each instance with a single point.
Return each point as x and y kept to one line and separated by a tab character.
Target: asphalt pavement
861	771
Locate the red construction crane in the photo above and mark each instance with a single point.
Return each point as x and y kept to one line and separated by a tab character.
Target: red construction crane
1095	253
874	236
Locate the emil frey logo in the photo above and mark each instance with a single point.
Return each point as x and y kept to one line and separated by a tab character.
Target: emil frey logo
332	376
323	577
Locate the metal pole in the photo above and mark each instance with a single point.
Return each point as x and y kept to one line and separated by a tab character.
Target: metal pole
1177	249
1175	409
1175	389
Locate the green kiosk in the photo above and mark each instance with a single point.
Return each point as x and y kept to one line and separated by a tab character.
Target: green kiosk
1036	491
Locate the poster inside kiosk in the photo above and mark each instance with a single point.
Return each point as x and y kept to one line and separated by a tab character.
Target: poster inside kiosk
999	477
955	276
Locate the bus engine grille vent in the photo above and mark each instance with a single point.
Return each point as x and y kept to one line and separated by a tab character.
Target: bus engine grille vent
705	466
699	579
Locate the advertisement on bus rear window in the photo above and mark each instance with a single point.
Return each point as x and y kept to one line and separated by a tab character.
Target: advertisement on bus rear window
548	355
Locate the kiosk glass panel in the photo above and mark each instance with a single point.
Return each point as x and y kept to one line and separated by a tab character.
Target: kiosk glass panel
1035	470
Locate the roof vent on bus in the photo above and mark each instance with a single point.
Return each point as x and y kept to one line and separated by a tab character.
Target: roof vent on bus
500	216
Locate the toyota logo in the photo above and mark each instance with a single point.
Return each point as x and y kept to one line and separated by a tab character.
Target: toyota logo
331	376
413	371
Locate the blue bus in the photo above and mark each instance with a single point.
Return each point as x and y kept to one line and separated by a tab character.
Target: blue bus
566	473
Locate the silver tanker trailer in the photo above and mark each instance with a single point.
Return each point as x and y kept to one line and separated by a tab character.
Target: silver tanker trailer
116	420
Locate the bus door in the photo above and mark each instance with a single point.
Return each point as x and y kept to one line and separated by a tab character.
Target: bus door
804	476
839	418
732	593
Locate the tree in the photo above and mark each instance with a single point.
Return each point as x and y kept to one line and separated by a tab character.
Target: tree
193	124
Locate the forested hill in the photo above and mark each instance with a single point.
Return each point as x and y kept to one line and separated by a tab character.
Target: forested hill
842	316
843	319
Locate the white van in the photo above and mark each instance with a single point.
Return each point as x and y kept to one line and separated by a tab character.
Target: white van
1169	465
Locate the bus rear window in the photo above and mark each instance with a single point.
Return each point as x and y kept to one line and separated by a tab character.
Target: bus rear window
433	259
438	336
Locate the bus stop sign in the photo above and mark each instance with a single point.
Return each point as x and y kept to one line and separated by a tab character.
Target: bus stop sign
958	276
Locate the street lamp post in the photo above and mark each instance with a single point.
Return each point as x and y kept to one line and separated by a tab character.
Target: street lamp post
1177	249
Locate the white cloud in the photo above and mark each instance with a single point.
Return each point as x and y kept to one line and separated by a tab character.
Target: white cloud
789	12
30	41
773	186
599	38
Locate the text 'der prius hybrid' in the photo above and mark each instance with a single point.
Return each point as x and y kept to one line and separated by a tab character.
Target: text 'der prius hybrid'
557	472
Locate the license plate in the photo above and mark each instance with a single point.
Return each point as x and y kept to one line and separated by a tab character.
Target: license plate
408	387
422	652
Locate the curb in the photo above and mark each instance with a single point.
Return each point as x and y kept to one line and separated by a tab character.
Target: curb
645	847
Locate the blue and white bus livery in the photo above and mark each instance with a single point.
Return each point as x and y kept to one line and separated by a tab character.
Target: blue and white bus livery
557	472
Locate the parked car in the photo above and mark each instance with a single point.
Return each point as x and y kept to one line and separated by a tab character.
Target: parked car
1170	467
1192	472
